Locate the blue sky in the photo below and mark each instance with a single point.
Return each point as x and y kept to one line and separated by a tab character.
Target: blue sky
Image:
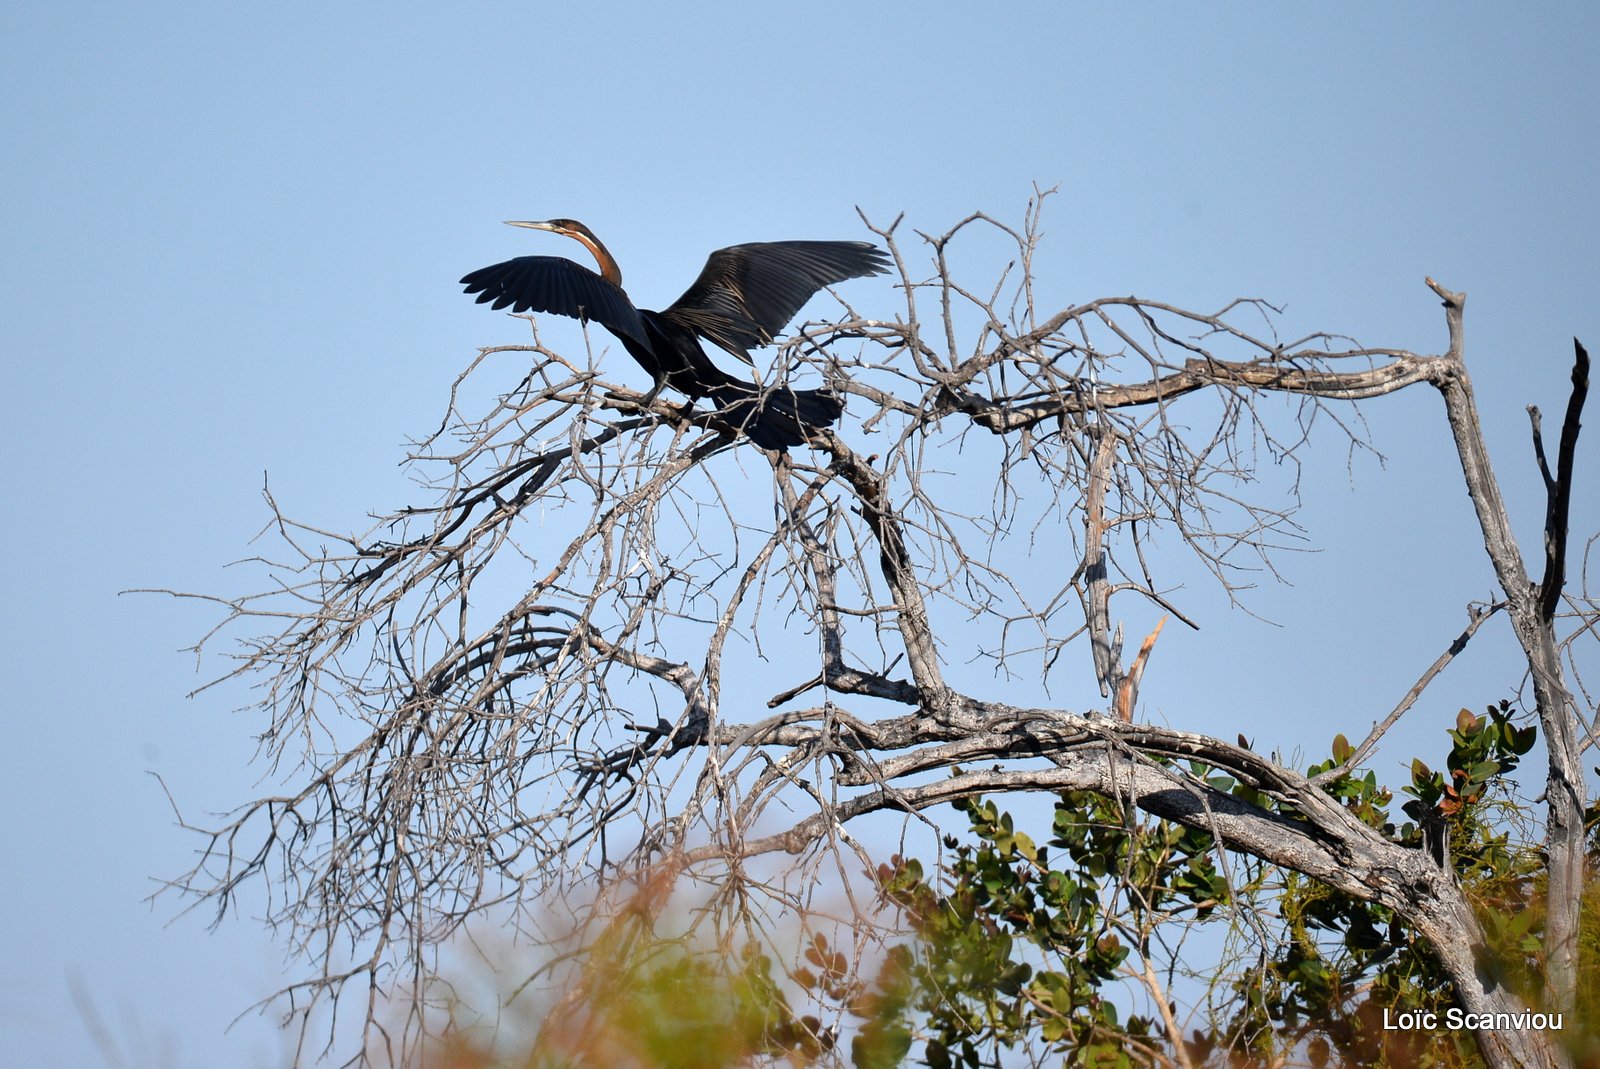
231	243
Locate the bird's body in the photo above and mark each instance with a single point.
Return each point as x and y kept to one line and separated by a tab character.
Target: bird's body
744	296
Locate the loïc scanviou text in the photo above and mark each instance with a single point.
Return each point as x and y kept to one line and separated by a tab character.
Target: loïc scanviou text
1456	1020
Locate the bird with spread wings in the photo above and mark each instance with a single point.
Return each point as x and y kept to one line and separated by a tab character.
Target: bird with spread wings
744	296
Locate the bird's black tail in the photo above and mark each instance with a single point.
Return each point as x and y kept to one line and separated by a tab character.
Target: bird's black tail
779	417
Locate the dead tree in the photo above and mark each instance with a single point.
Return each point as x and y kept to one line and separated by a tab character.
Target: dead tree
547	678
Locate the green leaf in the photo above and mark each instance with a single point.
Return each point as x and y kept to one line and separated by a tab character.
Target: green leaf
1342	748
1484	771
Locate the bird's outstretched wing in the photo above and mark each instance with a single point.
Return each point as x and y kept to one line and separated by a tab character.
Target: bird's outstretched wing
746	294
557	285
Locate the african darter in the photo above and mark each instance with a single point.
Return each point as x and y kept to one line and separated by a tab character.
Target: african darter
744	296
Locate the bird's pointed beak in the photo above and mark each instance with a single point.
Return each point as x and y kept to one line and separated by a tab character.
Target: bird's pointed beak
533	226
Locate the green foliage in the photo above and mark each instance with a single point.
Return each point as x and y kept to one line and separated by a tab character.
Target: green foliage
648	1001
666	1004
1026	945
1341	963
973	988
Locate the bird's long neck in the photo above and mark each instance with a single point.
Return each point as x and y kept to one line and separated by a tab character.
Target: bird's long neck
608	264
